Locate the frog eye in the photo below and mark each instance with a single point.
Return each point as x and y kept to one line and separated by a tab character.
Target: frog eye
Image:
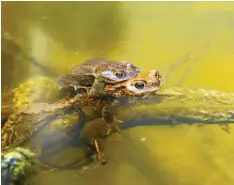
140	84
119	74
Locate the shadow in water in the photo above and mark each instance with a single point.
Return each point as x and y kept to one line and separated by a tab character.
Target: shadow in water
171	121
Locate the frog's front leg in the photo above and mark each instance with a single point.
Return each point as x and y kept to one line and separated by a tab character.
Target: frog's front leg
97	88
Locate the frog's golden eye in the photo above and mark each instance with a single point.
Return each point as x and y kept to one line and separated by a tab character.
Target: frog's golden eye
140	84
119	74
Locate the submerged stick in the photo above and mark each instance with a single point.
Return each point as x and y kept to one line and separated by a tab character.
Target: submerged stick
177	106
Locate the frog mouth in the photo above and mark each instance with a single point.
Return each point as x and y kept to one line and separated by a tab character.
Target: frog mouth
152	87
156	86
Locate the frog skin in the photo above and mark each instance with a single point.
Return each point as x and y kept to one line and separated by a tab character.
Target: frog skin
92	75
105	106
144	83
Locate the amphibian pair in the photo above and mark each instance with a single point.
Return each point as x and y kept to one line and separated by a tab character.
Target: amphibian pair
103	77
94	74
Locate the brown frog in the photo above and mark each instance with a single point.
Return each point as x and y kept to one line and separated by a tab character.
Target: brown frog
143	84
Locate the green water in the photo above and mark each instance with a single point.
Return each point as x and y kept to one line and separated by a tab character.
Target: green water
59	35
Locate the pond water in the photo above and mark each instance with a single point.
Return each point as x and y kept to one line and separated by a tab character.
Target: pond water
59	35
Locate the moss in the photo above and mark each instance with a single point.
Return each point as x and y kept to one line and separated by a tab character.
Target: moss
23	165
38	89
64	122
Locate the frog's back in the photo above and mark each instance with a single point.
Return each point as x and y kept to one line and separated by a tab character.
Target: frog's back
86	72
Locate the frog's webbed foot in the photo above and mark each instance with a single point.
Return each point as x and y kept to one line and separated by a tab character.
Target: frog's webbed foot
108	115
117	124
109	129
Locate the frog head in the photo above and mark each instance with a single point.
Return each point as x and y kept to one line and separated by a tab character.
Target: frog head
119	71
145	83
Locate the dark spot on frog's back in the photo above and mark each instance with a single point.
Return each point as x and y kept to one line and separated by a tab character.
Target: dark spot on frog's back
89	66
66	80
86	80
87	69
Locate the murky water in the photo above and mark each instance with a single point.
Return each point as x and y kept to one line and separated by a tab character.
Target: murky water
59	35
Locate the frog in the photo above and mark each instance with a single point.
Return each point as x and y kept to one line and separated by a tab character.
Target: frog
33	118
92	75
144	83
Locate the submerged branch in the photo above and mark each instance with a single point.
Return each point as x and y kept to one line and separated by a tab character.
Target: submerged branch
178	106
170	107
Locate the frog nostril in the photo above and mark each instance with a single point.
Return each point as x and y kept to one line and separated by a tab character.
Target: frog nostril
158	75
158	83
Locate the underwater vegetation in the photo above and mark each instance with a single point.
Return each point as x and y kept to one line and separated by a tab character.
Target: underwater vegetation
16	165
